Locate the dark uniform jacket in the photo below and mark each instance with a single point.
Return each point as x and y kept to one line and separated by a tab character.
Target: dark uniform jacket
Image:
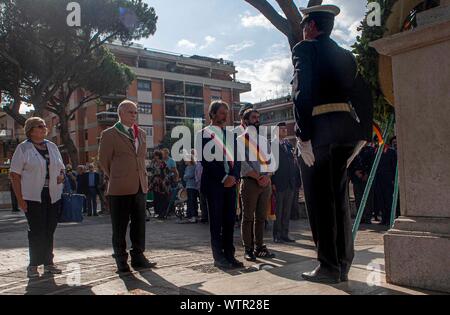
324	74
286	175
214	171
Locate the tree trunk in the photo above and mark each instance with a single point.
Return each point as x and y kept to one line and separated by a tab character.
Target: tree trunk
18	118
289	26
66	140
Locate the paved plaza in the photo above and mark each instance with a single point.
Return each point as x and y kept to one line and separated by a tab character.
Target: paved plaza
184	262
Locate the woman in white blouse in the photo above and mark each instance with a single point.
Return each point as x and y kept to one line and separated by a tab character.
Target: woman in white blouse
37	173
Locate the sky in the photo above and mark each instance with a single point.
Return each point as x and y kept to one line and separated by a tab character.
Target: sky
234	30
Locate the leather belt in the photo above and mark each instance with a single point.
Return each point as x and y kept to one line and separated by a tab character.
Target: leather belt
331	108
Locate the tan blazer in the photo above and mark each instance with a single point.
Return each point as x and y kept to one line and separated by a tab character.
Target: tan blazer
124	167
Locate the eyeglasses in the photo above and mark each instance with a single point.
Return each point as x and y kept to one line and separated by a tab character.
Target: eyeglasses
41	127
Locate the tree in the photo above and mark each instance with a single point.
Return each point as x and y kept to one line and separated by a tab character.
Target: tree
44	60
91	79
368	58
289	25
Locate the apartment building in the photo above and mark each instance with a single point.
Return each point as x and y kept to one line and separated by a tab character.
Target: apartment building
170	90
278	110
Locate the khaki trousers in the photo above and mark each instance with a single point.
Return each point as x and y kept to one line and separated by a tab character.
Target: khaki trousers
255	200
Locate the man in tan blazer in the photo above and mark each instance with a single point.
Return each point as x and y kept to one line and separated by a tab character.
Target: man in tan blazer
122	155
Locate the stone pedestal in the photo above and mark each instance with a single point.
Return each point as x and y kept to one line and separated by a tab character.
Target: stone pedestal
417	249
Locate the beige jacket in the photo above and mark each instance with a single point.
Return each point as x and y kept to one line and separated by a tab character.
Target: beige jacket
124	167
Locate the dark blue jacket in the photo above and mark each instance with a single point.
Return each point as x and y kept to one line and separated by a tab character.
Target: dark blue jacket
324	74
214	171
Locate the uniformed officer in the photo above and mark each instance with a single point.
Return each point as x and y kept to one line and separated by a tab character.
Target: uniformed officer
327	137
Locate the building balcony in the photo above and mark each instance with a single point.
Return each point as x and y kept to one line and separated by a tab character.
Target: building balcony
107	118
120	95
6	134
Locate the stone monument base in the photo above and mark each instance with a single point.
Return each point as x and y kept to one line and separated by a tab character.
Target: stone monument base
417	253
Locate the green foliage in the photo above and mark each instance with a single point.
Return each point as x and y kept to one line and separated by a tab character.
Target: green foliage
103	74
44	60
41	53
367	58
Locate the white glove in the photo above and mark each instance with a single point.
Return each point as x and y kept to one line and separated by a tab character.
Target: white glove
306	152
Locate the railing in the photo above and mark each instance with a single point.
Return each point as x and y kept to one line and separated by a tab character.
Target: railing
6	134
277	101
107	117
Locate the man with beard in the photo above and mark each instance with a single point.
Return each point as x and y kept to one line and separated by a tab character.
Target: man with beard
239	130
256	189
218	183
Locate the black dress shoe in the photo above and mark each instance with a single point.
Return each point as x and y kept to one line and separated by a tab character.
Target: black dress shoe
235	263
123	267
142	263
223	264
320	275
287	240
345	269
344	277
277	240
250	255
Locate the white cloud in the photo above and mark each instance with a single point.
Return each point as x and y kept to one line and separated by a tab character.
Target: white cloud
269	77
184	43
347	22
234	48
208	41
259	20
279	48
230	50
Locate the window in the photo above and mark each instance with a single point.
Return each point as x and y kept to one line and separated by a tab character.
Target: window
195	109
148	131
174	87
175	107
144	85
216	94
86	135
145	108
194	90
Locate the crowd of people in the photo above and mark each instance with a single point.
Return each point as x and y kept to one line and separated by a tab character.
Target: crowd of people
258	196
379	203
329	131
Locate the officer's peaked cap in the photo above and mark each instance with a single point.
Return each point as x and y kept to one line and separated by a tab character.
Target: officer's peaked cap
319	11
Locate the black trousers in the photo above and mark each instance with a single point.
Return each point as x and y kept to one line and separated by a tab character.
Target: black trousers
203	207
359	187
327	202
42	220
161	202
126	209
283	213
384	191
222	215
92	201
192	203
